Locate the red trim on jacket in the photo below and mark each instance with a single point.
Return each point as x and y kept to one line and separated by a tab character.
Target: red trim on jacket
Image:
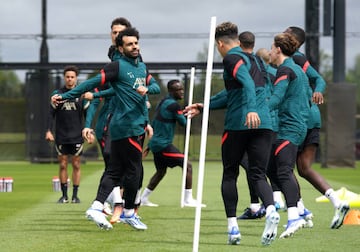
283	77
237	66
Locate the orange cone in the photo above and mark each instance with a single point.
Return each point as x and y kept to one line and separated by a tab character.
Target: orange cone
352	218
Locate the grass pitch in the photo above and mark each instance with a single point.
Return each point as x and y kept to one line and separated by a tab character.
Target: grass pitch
30	220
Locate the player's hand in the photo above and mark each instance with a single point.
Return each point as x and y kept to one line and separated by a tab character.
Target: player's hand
318	98
193	110
142	90
88	135
56	99
145	152
89	96
252	120
149	131
49	136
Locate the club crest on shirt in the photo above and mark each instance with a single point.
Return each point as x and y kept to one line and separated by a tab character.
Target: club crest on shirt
69	105
139	82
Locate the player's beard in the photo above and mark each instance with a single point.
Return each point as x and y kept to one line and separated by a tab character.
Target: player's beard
132	54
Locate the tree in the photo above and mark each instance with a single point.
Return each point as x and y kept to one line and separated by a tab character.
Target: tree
353	76
10	85
326	66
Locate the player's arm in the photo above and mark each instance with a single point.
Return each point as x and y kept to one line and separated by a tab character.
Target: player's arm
320	85
108	73
177	112
50	120
104	93
314	78
152	85
219	100
236	66
280	86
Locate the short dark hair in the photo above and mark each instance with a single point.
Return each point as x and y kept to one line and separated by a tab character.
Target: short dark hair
298	33
71	68
247	39
226	31
120	21
130	31
171	83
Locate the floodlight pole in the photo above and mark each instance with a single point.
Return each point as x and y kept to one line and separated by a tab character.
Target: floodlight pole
44	51
339	41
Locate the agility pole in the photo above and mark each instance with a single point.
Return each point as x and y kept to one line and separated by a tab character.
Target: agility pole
204	130
187	138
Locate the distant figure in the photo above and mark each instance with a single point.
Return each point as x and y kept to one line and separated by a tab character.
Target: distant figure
68	118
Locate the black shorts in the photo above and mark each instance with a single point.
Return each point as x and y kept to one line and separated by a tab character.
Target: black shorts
312	138
168	157
69	149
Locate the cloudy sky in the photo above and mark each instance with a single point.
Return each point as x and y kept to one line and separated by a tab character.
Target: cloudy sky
151	17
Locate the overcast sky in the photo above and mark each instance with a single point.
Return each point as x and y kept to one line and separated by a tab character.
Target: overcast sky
65	17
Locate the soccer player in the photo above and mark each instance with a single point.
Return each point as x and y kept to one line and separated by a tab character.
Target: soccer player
259	74
247	129
168	113
290	96
104	117
130	81
307	150
68	118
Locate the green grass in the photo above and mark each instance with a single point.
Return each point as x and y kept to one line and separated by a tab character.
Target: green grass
30	220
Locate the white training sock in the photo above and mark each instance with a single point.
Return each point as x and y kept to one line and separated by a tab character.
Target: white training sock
97	205
232	222
277	196
128	212
110	198
331	195
116	195
270	209
145	194
188	195
138	197
300	207
255	207
293	213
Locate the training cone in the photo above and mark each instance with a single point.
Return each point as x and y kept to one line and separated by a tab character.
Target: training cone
352	218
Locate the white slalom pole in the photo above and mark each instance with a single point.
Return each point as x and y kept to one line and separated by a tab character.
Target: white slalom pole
204	130
187	138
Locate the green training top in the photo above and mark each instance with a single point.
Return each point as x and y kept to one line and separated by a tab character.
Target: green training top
291	98
241	94
125	76
167	113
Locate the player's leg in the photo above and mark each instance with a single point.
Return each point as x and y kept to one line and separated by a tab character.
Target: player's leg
159	174
285	158
305	160
256	210
232	150
63	173
131	156
76	174
258	150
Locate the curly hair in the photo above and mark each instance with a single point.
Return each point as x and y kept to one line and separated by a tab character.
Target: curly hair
287	43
